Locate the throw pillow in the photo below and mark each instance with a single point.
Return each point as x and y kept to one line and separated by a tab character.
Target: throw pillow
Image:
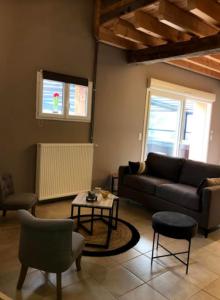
206	183
137	167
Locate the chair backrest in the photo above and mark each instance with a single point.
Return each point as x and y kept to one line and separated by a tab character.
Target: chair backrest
6	186
45	244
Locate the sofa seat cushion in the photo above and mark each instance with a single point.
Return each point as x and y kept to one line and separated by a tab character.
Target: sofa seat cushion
180	194
144	183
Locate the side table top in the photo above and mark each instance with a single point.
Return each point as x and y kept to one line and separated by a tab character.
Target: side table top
101	202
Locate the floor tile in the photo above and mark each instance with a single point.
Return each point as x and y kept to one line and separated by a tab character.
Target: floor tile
119	281
214	288
202	296
128	255
143	292
209	260
87	290
173	286
198	274
70	276
144	245
141	267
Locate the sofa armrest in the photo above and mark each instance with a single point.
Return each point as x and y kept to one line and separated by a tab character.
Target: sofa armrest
211	205
123	170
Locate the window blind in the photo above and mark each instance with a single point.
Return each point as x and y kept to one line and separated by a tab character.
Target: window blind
64	78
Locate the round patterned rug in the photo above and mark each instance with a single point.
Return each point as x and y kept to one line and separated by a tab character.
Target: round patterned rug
125	237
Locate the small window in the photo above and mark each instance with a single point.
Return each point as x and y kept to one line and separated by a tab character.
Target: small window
63	97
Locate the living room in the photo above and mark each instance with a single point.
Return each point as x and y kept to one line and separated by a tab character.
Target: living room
59	36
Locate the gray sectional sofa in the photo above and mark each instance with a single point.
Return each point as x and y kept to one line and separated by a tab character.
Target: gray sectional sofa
172	184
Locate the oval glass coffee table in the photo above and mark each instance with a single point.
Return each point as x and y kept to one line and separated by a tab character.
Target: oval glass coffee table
109	204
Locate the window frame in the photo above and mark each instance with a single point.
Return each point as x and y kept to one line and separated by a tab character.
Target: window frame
163	88
65	116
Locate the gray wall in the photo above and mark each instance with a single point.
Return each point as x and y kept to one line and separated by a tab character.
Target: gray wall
49	34
120	106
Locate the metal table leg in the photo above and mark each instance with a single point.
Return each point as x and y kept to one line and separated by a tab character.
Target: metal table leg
109	228
152	254
72	211
92	221
78	218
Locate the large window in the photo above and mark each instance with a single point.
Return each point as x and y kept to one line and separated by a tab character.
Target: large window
63	97
177	121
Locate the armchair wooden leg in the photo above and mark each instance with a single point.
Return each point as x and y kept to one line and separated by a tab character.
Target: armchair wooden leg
22	276
33	210
78	263
59	286
4	212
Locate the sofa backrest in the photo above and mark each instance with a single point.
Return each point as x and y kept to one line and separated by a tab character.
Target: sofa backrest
164	166
193	172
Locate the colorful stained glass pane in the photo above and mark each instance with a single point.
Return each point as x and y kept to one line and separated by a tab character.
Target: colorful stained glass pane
52	97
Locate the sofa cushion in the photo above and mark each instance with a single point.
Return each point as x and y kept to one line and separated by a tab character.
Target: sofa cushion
207	182
137	167
180	194
144	183
164	166
193	172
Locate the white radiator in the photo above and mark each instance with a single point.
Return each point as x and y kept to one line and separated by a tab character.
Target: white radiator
63	169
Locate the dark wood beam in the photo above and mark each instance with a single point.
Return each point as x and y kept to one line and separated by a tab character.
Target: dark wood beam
97	17
109	7
124	9
194	47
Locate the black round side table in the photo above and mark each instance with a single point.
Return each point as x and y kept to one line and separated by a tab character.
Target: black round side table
174	225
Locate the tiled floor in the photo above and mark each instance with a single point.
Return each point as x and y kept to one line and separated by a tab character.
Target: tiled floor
127	276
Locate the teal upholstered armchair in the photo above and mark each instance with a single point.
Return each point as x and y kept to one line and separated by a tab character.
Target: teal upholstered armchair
48	245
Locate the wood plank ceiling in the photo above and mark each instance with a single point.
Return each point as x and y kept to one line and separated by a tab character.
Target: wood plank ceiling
184	33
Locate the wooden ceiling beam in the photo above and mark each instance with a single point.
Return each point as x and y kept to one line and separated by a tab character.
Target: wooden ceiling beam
208	10
188	65
215	56
97	17
105	9
150	25
205	61
106	36
123	7
183	20
126	30
194	47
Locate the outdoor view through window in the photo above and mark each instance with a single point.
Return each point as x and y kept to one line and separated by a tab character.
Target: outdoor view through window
178	127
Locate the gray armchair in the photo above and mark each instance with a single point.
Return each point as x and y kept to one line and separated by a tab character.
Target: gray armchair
9	200
48	245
